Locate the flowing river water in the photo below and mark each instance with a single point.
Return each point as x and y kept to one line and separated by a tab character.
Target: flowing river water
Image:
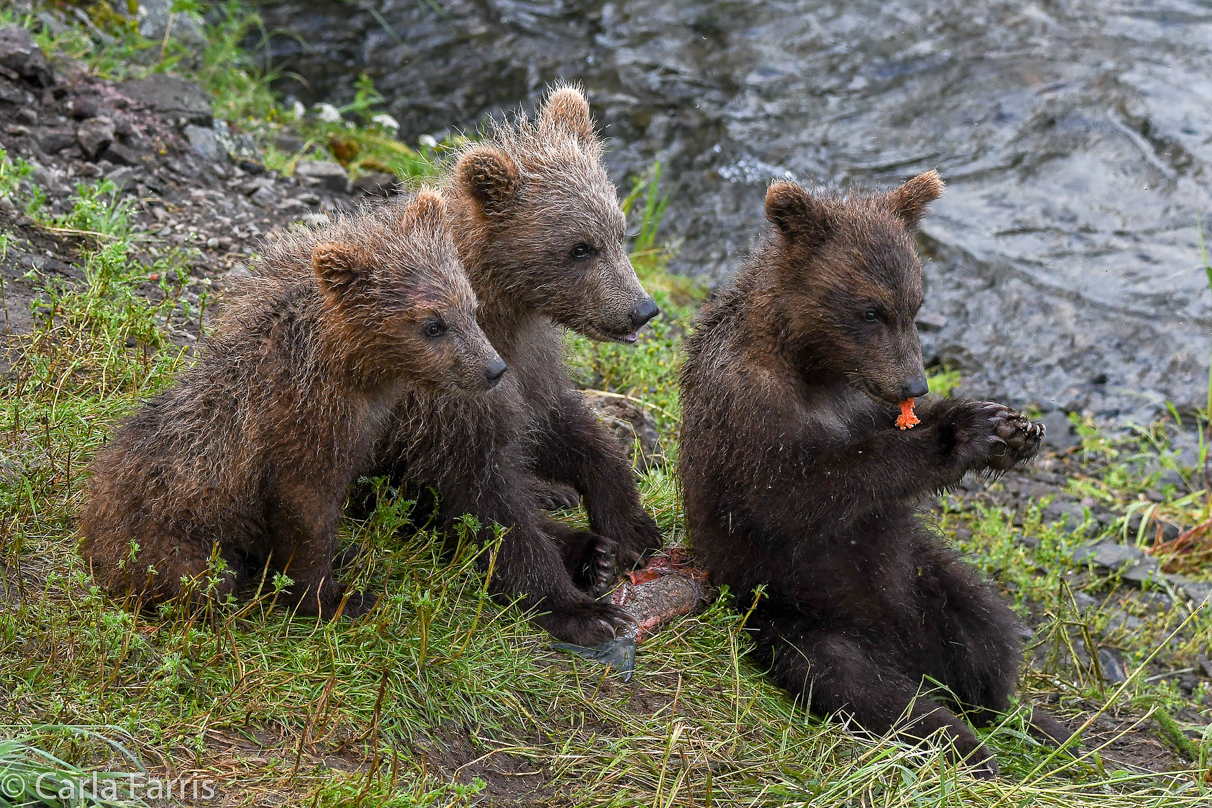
1075	138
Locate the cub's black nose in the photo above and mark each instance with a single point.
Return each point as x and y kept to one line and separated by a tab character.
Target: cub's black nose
643	312
496	369
915	389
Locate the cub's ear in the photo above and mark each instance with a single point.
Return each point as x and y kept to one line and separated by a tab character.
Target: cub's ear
427	206
799	216
491	176
337	265
567	111
909	202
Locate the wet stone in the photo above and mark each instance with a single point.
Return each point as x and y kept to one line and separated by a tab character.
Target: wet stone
1133	564
53	141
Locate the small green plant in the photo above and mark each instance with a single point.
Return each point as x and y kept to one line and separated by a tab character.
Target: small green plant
11	173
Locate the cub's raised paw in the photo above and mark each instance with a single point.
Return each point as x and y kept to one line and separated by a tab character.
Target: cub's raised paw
590	559
584	622
1016	441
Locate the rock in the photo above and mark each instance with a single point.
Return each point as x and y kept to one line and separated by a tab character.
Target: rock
326	174
265	196
53	141
1073	514
1111	663
123	177
1205	665
171	98
154	19
13	94
376	183
94	136
240	147
930	321
633	426
21	54
314	219
1059	434
1200	592
1169	531
26	116
1085	603
123	155
1118	619
1133	564
204	143
85	107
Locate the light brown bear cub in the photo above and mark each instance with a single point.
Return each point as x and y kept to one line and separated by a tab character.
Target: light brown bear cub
248	458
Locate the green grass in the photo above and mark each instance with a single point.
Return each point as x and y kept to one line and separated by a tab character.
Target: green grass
440	690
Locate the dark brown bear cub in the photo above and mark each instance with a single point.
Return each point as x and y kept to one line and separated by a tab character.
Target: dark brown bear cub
539	228
248	458
797	478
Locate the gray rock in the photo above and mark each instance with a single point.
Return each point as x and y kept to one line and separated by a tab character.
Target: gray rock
634	428
265	196
239	147
1086	603
1118	619
1112	666
326	174
205	144
1133	564
21	54
94	136
123	177
1060	435
1073	514
153	23
376	183
171	98
930	321
53	141
1200	592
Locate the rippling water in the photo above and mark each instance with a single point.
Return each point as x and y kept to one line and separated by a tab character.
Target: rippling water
1075	139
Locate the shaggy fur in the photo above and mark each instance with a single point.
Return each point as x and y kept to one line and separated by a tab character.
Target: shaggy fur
248	458
797	479
538	226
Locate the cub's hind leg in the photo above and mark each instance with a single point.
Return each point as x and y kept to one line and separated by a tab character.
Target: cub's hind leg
843	671
971	639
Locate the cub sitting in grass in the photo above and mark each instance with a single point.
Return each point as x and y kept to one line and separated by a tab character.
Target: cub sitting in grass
539	228
248	458
797	477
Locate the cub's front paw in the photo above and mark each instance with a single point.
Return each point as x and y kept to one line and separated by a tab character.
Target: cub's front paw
989	435
590	559
584	622
636	540
1017	440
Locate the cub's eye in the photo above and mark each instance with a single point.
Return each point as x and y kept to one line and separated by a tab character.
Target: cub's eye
582	251
434	329
871	316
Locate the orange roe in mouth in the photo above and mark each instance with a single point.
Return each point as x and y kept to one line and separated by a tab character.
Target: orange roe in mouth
907	420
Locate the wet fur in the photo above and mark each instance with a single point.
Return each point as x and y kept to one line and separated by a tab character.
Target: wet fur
519	200
249	456
796	478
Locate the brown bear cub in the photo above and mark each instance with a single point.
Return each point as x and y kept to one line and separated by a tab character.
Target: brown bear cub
797	478
539	228
248	458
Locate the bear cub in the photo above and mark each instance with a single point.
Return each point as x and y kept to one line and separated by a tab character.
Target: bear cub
247	459
797	478
538	226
